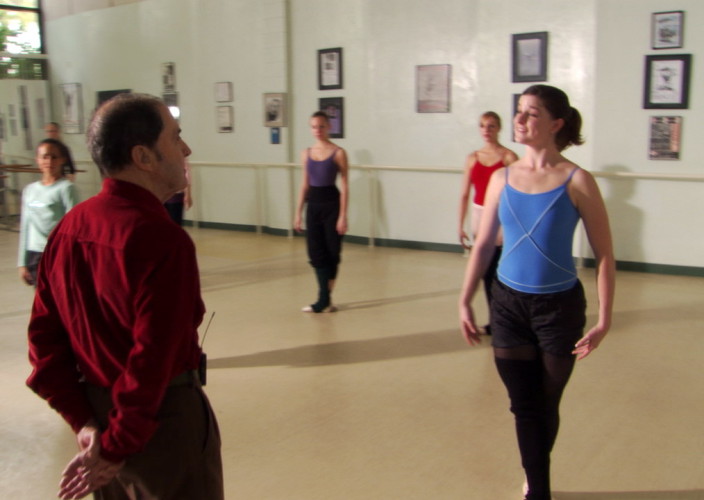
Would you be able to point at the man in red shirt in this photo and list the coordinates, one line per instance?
(113, 335)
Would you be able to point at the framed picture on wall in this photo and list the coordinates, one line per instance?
(665, 136)
(168, 77)
(72, 100)
(225, 119)
(530, 57)
(667, 30)
(275, 110)
(223, 92)
(666, 83)
(433, 88)
(334, 107)
(330, 69)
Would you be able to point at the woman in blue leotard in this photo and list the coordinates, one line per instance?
(538, 307)
(326, 213)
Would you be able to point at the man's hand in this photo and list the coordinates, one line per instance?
(87, 471)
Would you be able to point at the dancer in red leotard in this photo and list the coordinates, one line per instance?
(479, 166)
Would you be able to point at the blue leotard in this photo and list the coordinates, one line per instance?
(538, 232)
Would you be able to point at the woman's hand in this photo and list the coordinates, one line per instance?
(26, 276)
(464, 240)
(297, 224)
(341, 225)
(468, 325)
(589, 342)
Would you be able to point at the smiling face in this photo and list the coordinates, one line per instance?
(533, 124)
(50, 160)
(319, 127)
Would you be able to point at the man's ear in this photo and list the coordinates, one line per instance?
(142, 157)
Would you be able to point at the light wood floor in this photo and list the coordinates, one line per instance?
(383, 400)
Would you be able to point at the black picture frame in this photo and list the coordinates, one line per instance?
(334, 107)
(330, 69)
(666, 84)
(667, 30)
(529, 57)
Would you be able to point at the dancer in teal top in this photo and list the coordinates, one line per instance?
(538, 306)
(44, 203)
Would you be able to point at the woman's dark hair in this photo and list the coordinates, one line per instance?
(558, 105)
(494, 115)
(121, 123)
(321, 114)
(68, 165)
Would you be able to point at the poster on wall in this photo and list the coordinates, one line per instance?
(168, 77)
(225, 119)
(72, 101)
(433, 88)
(223, 92)
(665, 136)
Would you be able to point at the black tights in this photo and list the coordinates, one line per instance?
(535, 381)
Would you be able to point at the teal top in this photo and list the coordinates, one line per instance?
(42, 208)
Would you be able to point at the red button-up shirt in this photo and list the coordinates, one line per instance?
(117, 304)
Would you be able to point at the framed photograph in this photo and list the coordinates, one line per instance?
(330, 69)
(530, 57)
(667, 30)
(225, 119)
(275, 110)
(334, 107)
(433, 88)
(72, 100)
(223, 92)
(667, 81)
(665, 135)
(168, 77)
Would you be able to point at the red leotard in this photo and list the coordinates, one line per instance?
(479, 178)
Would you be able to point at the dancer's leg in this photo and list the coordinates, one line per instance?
(521, 370)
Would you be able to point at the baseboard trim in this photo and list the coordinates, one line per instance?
(639, 267)
(646, 267)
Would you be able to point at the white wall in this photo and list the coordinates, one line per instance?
(653, 221)
(596, 52)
